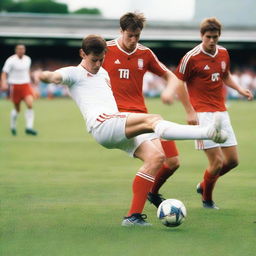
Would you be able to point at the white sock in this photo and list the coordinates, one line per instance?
(173, 131)
(14, 115)
(29, 116)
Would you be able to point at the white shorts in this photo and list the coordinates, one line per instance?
(206, 119)
(111, 134)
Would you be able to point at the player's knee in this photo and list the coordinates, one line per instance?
(153, 163)
(157, 160)
(217, 164)
(233, 163)
(173, 163)
(152, 119)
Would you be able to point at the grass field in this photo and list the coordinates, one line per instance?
(64, 195)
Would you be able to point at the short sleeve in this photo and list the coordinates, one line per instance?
(7, 66)
(228, 62)
(184, 69)
(155, 66)
(29, 61)
(68, 75)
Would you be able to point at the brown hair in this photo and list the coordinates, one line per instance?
(17, 45)
(132, 21)
(210, 24)
(94, 44)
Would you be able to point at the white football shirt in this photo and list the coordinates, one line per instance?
(91, 92)
(18, 69)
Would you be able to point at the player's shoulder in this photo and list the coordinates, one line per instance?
(27, 57)
(222, 49)
(146, 51)
(191, 55)
(103, 72)
(142, 47)
(71, 70)
(74, 68)
(111, 43)
(12, 57)
(193, 52)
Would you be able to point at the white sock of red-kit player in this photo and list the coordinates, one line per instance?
(29, 116)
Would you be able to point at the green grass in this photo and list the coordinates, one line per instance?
(62, 194)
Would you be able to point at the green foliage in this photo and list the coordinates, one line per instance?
(42, 6)
(94, 11)
(37, 6)
(62, 194)
(4, 4)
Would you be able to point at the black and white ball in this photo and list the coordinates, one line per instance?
(171, 212)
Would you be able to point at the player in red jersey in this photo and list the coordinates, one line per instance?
(16, 73)
(126, 62)
(205, 69)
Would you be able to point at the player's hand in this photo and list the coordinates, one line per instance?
(192, 118)
(167, 96)
(248, 94)
(4, 87)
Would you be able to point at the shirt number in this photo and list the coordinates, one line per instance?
(124, 73)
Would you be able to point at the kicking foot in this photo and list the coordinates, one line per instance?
(136, 219)
(155, 199)
(31, 132)
(215, 132)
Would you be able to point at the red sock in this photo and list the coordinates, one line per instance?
(208, 185)
(162, 175)
(142, 184)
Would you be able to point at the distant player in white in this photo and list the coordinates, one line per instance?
(16, 74)
(90, 87)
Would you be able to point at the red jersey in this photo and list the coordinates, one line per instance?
(126, 71)
(203, 73)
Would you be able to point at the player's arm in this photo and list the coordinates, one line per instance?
(177, 86)
(183, 96)
(161, 70)
(4, 84)
(169, 92)
(50, 77)
(230, 82)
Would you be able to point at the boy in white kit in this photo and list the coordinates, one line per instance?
(16, 73)
(89, 86)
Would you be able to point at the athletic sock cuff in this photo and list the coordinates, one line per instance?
(145, 176)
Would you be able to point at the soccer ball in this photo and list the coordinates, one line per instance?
(171, 212)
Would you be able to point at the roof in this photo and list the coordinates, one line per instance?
(77, 26)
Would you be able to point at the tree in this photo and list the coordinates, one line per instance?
(37, 6)
(94, 11)
(4, 4)
(42, 6)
